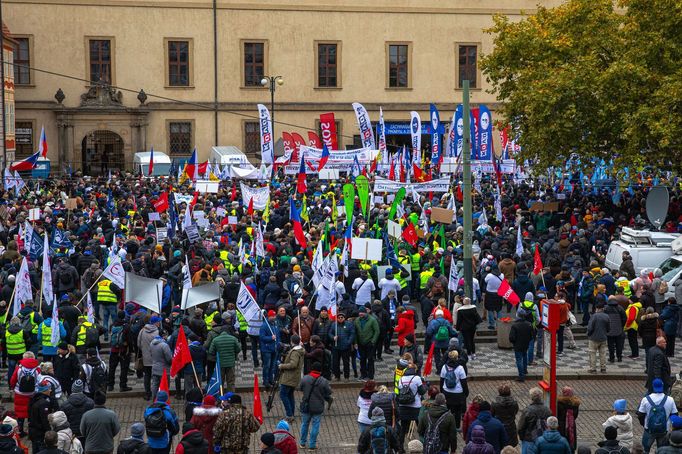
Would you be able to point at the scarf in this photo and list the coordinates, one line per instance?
(570, 426)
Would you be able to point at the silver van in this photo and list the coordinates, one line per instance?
(648, 249)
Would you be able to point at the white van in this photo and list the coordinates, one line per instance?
(648, 249)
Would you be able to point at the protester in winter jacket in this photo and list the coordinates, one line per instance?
(384, 398)
(366, 337)
(614, 336)
(284, 441)
(60, 424)
(135, 444)
(76, 405)
(495, 433)
(45, 335)
(318, 392)
(269, 339)
(567, 413)
(468, 319)
(204, 418)
(192, 441)
(381, 432)
(470, 415)
(386, 325)
(234, 426)
(99, 426)
(404, 327)
(521, 336)
(27, 367)
(144, 345)
(551, 441)
(303, 325)
(42, 404)
(93, 373)
(622, 421)
(226, 347)
(7, 443)
(291, 369)
(611, 445)
(438, 414)
(172, 427)
(66, 366)
(415, 350)
(477, 443)
(161, 361)
(633, 315)
(340, 336)
(670, 317)
(505, 409)
(531, 418)
(439, 330)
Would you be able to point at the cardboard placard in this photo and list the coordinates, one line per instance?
(154, 216)
(71, 203)
(329, 174)
(366, 249)
(442, 215)
(420, 233)
(539, 206)
(394, 229)
(161, 234)
(192, 232)
(34, 214)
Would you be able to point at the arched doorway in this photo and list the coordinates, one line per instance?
(102, 150)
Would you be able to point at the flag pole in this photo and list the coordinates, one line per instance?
(88, 291)
(40, 300)
(196, 377)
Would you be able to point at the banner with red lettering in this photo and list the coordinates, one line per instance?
(506, 292)
(328, 129)
(314, 140)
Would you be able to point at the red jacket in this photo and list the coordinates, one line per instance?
(203, 420)
(446, 313)
(285, 442)
(28, 363)
(405, 326)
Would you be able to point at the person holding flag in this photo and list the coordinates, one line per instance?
(50, 333)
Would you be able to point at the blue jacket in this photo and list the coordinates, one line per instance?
(62, 334)
(670, 316)
(345, 333)
(495, 433)
(165, 299)
(551, 442)
(267, 343)
(171, 419)
(433, 327)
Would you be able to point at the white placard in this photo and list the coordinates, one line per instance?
(203, 223)
(340, 210)
(394, 229)
(378, 200)
(329, 174)
(232, 220)
(220, 211)
(210, 187)
(390, 198)
(192, 232)
(366, 249)
(161, 234)
(154, 216)
(198, 214)
(34, 214)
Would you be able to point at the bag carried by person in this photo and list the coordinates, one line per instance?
(98, 379)
(450, 377)
(155, 422)
(405, 394)
(657, 420)
(432, 443)
(443, 333)
(378, 440)
(305, 403)
(27, 382)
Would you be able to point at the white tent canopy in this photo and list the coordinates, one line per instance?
(228, 155)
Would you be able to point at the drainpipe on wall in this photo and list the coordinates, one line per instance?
(215, 72)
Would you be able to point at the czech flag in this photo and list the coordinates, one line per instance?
(191, 168)
(324, 158)
(27, 164)
(301, 187)
(42, 146)
(151, 162)
(298, 225)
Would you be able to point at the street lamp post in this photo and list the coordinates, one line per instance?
(271, 82)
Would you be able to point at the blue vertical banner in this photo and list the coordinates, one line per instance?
(435, 136)
(457, 133)
(473, 130)
(485, 129)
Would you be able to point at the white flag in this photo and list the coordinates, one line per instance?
(55, 334)
(9, 180)
(48, 293)
(187, 221)
(498, 207)
(318, 261)
(332, 299)
(115, 272)
(187, 278)
(483, 218)
(365, 125)
(18, 183)
(260, 249)
(266, 139)
(519, 243)
(453, 206)
(344, 258)
(453, 280)
(23, 292)
(246, 304)
(89, 308)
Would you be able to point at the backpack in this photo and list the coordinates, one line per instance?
(378, 440)
(27, 382)
(155, 423)
(116, 336)
(98, 379)
(405, 394)
(91, 336)
(657, 420)
(539, 429)
(443, 333)
(432, 443)
(450, 377)
(676, 390)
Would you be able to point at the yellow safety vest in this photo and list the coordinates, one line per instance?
(625, 285)
(396, 379)
(104, 293)
(225, 259)
(46, 333)
(424, 278)
(416, 258)
(208, 319)
(80, 341)
(3, 318)
(15, 343)
(34, 325)
(243, 324)
(401, 280)
(637, 307)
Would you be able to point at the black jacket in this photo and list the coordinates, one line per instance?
(611, 446)
(193, 442)
(8, 446)
(74, 408)
(41, 406)
(659, 367)
(521, 335)
(66, 370)
(132, 446)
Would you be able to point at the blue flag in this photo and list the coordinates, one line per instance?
(35, 248)
(215, 381)
(172, 215)
(60, 240)
(390, 253)
(111, 206)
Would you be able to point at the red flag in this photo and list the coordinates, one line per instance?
(301, 186)
(202, 168)
(163, 386)
(181, 355)
(233, 196)
(391, 171)
(506, 292)
(288, 143)
(418, 175)
(257, 404)
(298, 141)
(161, 203)
(314, 140)
(410, 234)
(429, 361)
(250, 209)
(537, 262)
(194, 200)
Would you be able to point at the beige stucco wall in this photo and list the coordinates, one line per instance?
(59, 30)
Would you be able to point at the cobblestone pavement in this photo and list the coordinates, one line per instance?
(339, 429)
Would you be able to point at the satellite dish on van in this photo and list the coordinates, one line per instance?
(657, 202)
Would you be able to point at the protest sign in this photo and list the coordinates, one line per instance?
(366, 249)
(442, 215)
(154, 216)
(394, 229)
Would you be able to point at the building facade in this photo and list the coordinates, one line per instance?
(8, 52)
(108, 78)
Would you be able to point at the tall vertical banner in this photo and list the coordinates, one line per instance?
(485, 128)
(416, 132)
(363, 193)
(298, 141)
(288, 144)
(365, 125)
(435, 136)
(328, 130)
(457, 133)
(349, 199)
(381, 133)
(475, 133)
(267, 148)
(314, 140)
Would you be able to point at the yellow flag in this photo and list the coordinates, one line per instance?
(266, 213)
(213, 177)
(334, 212)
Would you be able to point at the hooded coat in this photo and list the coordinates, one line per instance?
(551, 442)
(144, 343)
(447, 427)
(505, 409)
(60, 424)
(291, 367)
(75, 407)
(495, 433)
(192, 442)
(623, 423)
(670, 316)
(161, 356)
(567, 413)
(405, 326)
(391, 437)
(617, 317)
(528, 420)
(203, 420)
(477, 443)
(284, 441)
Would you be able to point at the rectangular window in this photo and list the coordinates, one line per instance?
(467, 65)
(252, 138)
(22, 62)
(100, 60)
(24, 139)
(254, 64)
(327, 64)
(180, 137)
(398, 56)
(178, 63)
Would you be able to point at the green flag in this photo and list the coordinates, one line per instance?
(349, 199)
(363, 192)
(398, 200)
(441, 233)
